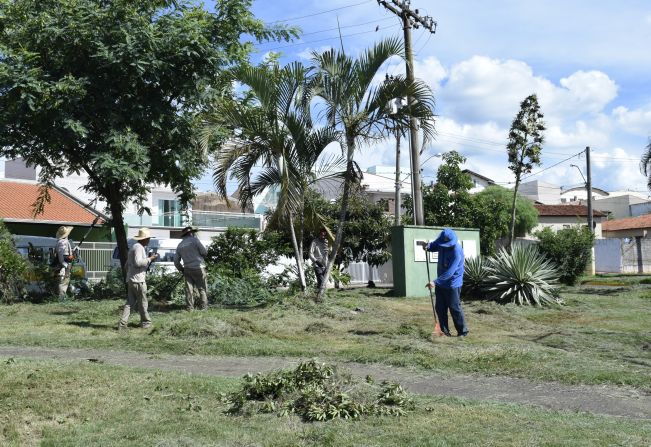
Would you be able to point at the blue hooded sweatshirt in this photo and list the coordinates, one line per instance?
(450, 264)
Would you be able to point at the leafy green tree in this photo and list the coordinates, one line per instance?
(354, 104)
(492, 215)
(570, 249)
(448, 201)
(524, 147)
(112, 89)
(272, 132)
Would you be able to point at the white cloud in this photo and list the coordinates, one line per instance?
(637, 121)
(484, 89)
(580, 135)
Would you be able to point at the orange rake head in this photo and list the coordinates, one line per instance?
(437, 331)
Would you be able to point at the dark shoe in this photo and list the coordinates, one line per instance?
(121, 327)
(462, 335)
(145, 325)
(447, 334)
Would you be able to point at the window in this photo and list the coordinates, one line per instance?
(168, 213)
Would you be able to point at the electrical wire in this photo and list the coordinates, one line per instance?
(319, 13)
(327, 38)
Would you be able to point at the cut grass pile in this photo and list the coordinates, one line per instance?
(91, 404)
(600, 336)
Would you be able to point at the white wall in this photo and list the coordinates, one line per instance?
(559, 222)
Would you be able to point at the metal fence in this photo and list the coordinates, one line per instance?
(98, 258)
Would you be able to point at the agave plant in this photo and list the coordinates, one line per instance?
(474, 275)
(523, 276)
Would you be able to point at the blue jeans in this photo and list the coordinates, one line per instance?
(450, 299)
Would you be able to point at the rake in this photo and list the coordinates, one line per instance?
(437, 327)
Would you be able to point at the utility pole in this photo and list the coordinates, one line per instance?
(412, 19)
(588, 187)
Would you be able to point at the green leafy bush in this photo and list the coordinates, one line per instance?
(250, 291)
(165, 287)
(570, 249)
(316, 392)
(523, 276)
(110, 288)
(474, 276)
(238, 251)
(13, 268)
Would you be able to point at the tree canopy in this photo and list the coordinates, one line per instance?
(113, 88)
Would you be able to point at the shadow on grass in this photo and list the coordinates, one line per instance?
(88, 324)
(601, 290)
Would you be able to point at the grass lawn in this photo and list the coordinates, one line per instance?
(601, 335)
(52, 403)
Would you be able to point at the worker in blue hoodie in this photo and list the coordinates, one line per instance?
(447, 285)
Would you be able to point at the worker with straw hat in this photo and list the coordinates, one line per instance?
(137, 263)
(64, 258)
(447, 285)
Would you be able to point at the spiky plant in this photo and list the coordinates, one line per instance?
(474, 275)
(523, 276)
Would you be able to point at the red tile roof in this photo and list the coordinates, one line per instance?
(17, 198)
(567, 210)
(628, 223)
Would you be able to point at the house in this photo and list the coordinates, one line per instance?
(164, 216)
(562, 216)
(579, 195)
(541, 192)
(627, 248)
(379, 183)
(479, 182)
(17, 198)
(623, 204)
(639, 226)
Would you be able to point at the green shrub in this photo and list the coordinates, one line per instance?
(570, 249)
(474, 275)
(110, 288)
(165, 287)
(316, 392)
(238, 251)
(13, 268)
(523, 276)
(249, 291)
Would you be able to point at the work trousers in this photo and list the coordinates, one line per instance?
(320, 273)
(137, 296)
(195, 285)
(450, 299)
(63, 281)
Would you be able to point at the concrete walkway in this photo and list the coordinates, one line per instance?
(603, 400)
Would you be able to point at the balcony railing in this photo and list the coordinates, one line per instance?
(202, 219)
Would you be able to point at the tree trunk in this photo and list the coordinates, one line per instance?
(115, 205)
(348, 180)
(298, 253)
(512, 226)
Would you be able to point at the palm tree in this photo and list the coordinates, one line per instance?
(356, 104)
(271, 133)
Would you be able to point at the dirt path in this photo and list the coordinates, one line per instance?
(603, 400)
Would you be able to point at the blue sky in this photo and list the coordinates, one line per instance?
(588, 62)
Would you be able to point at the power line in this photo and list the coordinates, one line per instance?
(327, 38)
(550, 167)
(348, 26)
(319, 13)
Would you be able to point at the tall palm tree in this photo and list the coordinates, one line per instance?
(272, 133)
(352, 101)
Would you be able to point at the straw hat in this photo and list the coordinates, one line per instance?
(189, 229)
(143, 233)
(63, 232)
